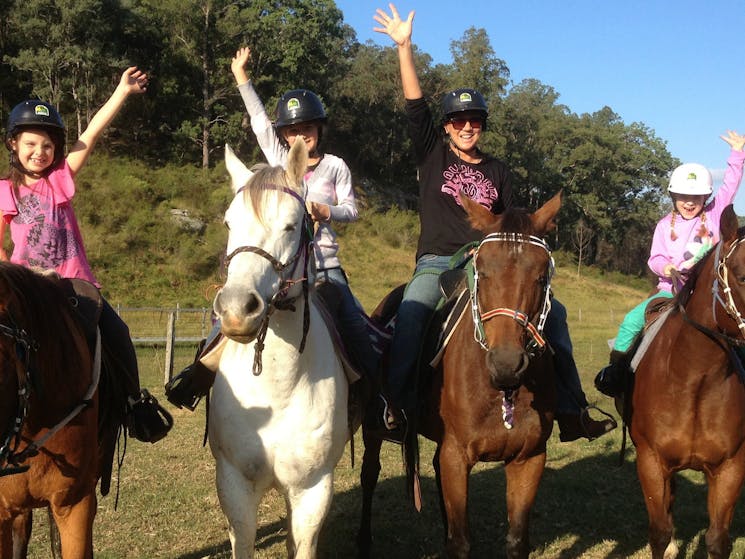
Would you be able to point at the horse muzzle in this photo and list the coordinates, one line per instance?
(506, 367)
(241, 314)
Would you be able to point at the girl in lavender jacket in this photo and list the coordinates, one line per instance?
(681, 238)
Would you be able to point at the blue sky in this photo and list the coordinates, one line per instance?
(677, 67)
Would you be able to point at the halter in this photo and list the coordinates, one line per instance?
(25, 346)
(728, 303)
(280, 299)
(536, 344)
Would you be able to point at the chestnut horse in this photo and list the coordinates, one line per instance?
(49, 450)
(492, 395)
(688, 403)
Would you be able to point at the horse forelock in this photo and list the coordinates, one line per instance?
(261, 187)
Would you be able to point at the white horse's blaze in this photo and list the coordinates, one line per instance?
(287, 427)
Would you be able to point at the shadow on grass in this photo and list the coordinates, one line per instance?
(580, 506)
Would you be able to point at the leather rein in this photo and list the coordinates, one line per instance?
(11, 458)
(280, 299)
(536, 343)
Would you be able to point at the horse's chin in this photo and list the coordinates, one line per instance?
(241, 339)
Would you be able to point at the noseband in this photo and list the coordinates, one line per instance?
(280, 299)
(536, 343)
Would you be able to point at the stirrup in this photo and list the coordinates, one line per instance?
(391, 426)
(181, 390)
(148, 421)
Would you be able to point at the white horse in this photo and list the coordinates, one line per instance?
(278, 414)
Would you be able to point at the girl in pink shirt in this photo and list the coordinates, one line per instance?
(35, 202)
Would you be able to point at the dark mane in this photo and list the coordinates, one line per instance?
(37, 303)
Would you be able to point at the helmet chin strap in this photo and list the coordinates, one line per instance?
(17, 164)
(474, 153)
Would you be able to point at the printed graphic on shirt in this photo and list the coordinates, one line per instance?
(474, 184)
(50, 238)
(697, 248)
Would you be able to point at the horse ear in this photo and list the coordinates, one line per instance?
(297, 163)
(543, 217)
(728, 225)
(239, 173)
(479, 217)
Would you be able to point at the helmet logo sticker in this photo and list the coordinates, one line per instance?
(465, 97)
(41, 110)
(692, 176)
(293, 104)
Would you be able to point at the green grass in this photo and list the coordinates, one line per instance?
(588, 507)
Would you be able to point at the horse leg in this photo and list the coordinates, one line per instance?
(308, 509)
(438, 482)
(724, 489)
(75, 525)
(522, 487)
(455, 470)
(658, 487)
(21, 534)
(369, 474)
(239, 499)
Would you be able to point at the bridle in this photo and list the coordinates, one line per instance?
(11, 458)
(725, 299)
(536, 343)
(280, 299)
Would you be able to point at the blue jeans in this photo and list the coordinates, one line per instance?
(571, 398)
(351, 324)
(420, 300)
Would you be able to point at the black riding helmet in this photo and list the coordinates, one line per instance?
(299, 105)
(33, 113)
(464, 100)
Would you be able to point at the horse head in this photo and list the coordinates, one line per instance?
(729, 282)
(268, 253)
(511, 294)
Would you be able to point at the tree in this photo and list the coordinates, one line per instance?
(69, 52)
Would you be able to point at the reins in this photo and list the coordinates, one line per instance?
(536, 344)
(722, 295)
(11, 458)
(280, 300)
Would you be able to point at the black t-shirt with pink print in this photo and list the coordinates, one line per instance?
(442, 175)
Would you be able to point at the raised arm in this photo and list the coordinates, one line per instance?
(132, 81)
(400, 31)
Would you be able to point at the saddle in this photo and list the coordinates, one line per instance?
(655, 314)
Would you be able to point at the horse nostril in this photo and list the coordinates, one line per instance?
(253, 304)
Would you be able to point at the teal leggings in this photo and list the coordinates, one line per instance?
(633, 323)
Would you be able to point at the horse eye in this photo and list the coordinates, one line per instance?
(289, 228)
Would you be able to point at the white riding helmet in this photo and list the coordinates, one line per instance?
(690, 178)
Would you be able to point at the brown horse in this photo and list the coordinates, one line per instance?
(492, 395)
(49, 450)
(688, 403)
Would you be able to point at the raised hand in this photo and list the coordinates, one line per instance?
(735, 140)
(133, 80)
(393, 26)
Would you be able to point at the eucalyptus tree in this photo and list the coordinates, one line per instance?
(67, 53)
(294, 43)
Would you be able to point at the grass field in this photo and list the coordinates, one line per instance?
(588, 506)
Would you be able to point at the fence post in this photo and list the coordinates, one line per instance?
(170, 338)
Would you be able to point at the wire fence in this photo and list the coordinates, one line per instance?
(159, 325)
